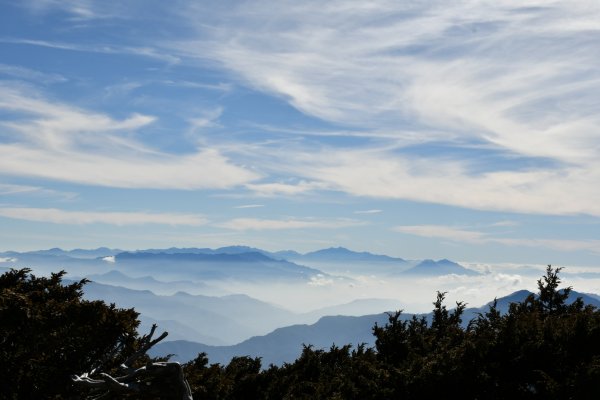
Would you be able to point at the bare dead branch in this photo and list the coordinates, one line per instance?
(165, 379)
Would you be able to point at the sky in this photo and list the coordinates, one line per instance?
(467, 131)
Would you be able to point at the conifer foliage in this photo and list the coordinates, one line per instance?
(544, 347)
(47, 333)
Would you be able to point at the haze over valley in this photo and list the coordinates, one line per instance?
(239, 300)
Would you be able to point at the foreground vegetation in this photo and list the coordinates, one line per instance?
(542, 347)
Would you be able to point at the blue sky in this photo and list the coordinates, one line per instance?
(418, 130)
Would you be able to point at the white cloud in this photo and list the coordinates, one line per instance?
(57, 216)
(84, 12)
(443, 232)
(220, 87)
(20, 72)
(475, 237)
(149, 52)
(11, 189)
(285, 189)
(320, 280)
(257, 224)
(506, 223)
(557, 244)
(518, 77)
(79, 8)
(65, 143)
(199, 123)
(380, 173)
(374, 211)
(250, 206)
(207, 119)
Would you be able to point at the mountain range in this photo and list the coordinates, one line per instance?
(232, 262)
(215, 320)
(220, 320)
(285, 344)
(247, 266)
(194, 293)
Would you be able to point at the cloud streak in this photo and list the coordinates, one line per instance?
(517, 78)
(140, 51)
(19, 72)
(250, 206)
(65, 143)
(381, 173)
(57, 216)
(15, 190)
(444, 232)
(256, 224)
(285, 189)
(461, 235)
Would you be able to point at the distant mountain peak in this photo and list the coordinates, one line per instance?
(238, 249)
(444, 266)
(336, 250)
(342, 254)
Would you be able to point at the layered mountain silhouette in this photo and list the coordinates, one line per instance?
(118, 278)
(285, 344)
(231, 262)
(339, 260)
(229, 318)
(342, 255)
(213, 320)
(247, 266)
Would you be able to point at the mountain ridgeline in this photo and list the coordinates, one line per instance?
(232, 262)
(542, 345)
(530, 346)
(284, 345)
(244, 266)
(188, 290)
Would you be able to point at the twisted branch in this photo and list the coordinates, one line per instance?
(149, 379)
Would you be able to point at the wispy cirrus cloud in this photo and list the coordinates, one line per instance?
(285, 189)
(381, 173)
(82, 11)
(141, 51)
(506, 223)
(444, 232)
(461, 235)
(445, 67)
(373, 211)
(57, 216)
(257, 224)
(11, 189)
(590, 245)
(518, 78)
(205, 119)
(250, 206)
(20, 72)
(62, 142)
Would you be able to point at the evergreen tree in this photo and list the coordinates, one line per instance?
(48, 332)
